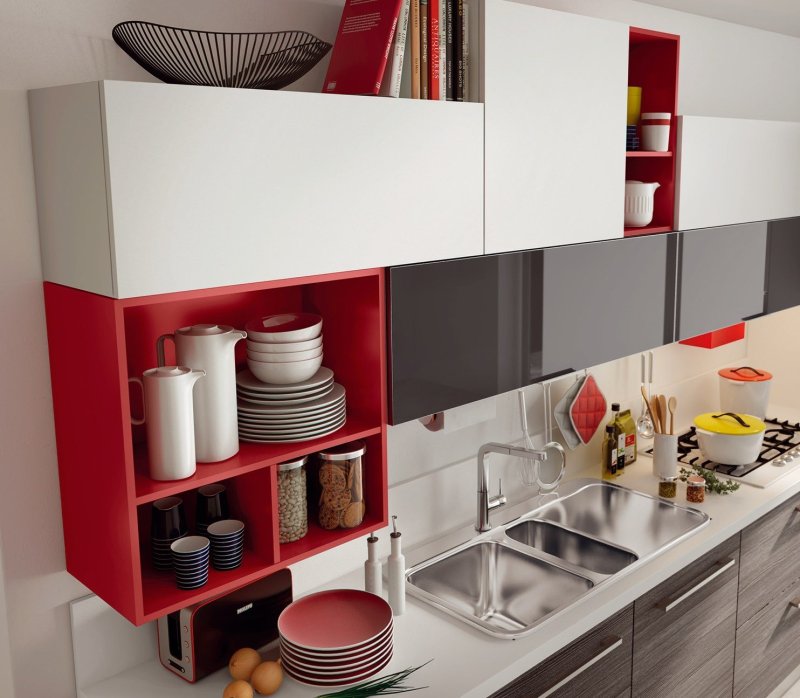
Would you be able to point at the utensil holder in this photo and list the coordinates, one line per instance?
(665, 455)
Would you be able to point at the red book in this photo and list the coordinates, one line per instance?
(362, 47)
(434, 53)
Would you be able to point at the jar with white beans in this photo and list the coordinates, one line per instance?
(292, 500)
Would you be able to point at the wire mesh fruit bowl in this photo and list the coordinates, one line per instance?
(255, 60)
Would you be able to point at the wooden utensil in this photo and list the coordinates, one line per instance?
(662, 411)
(673, 405)
(656, 415)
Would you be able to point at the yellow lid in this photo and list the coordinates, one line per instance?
(729, 423)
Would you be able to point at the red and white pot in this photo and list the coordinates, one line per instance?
(655, 131)
(744, 390)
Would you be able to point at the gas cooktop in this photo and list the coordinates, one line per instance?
(780, 454)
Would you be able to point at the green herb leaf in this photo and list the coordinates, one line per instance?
(713, 483)
(388, 685)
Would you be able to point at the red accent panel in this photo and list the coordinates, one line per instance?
(712, 340)
(97, 342)
(653, 66)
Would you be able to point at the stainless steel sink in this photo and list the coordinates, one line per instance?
(512, 578)
(498, 588)
(578, 549)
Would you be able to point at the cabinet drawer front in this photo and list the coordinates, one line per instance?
(685, 622)
(596, 664)
(770, 558)
(768, 645)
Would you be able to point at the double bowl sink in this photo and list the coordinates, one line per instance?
(509, 580)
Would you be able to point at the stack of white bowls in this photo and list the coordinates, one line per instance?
(335, 637)
(285, 348)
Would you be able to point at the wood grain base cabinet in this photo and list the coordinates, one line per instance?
(596, 664)
(685, 628)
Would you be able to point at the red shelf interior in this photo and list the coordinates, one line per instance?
(653, 66)
(103, 459)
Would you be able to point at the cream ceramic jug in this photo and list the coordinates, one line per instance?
(169, 416)
(639, 202)
(211, 349)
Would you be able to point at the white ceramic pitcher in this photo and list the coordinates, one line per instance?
(210, 348)
(169, 416)
(639, 202)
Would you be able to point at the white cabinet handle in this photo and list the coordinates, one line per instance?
(718, 569)
(614, 643)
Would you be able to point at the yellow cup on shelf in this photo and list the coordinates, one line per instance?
(634, 105)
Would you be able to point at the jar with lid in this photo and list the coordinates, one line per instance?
(696, 489)
(341, 478)
(668, 487)
(292, 500)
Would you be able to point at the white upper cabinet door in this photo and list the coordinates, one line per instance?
(147, 188)
(736, 171)
(555, 92)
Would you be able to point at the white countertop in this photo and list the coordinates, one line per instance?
(469, 663)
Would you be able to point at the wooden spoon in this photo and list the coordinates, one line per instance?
(662, 411)
(656, 415)
(673, 405)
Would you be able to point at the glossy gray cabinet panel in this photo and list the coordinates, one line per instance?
(783, 283)
(722, 273)
(605, 300)
(467, 329)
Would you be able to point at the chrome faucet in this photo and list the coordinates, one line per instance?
(485, 502)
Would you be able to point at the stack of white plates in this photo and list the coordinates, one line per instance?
(284, 413)
(335, 637)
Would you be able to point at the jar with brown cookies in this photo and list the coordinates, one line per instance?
(341, 478)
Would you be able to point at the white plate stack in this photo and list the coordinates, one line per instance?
(286, 413)
(336, 637)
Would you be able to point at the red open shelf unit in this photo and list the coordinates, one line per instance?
(96, 343)
(653, 66)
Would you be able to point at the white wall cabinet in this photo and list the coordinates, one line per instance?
(736, 171)
(147, 188)
(555, 99)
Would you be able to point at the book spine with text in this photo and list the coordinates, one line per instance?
(465, 49)
(394, 77)
(415, 50)
(449, 62)
(458, 51)
(433, 52)
(442, 49)
(424, 68)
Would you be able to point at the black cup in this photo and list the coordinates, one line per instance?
(212, 505)
(168, 519)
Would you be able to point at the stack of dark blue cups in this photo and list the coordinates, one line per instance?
(227, 544)
(632, 138)
(190, 560)
(168, 525)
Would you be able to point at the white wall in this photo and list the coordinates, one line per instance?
(726, 70)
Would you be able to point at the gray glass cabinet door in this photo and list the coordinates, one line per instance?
(783, 253)
(605, 300)
(466, 329)
(722, 276)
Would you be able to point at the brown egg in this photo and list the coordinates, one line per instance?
(238, 689)
(243, 662)
(267, 678)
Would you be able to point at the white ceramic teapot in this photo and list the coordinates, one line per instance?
(211, 349)
(639, 202)
(169, 415)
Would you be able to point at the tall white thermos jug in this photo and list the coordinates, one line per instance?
(169, 416)
(210, 348)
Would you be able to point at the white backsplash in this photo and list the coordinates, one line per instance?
(432, 475)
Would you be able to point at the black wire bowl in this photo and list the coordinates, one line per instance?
(256, 60)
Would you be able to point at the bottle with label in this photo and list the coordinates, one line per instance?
(619, 435)
(628, 425)
(610, 453)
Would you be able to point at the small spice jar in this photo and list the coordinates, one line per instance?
(696, 489)
(341, 477)
(292, 500)
(668, 487)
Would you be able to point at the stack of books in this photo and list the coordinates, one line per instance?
(414, 48)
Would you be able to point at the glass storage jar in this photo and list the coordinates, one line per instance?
(341, 478)
(696, 489)
(668, 487)
(292, 500)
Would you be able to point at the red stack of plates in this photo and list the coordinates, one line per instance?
(335, 637)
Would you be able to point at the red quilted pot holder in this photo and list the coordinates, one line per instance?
(588, 409)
